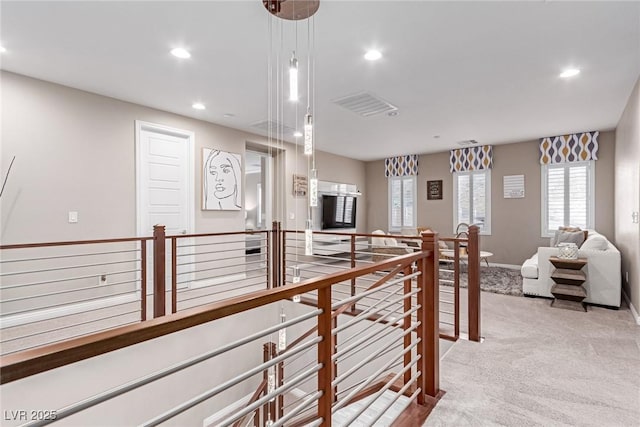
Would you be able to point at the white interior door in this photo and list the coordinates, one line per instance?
(165, 182)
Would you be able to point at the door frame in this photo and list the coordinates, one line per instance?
(140, 126)
(267, 187)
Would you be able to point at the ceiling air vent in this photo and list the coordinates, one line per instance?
(274, 126)
(365, 104)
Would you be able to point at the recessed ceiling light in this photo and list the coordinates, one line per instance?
(198, 106)
(570, 72)
(436, 136)
(228, 115)
(180, 52)
(372, 55)
(297, 134)
(3, 49)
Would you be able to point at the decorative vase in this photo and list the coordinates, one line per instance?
(568, 250)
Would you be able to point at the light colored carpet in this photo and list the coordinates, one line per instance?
(543, 366)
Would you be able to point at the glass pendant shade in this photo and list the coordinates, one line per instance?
(271, 379)
(296, 274)
(308, 134)
(293, 78)
(313, 189)
(308, 239)
(282, 333)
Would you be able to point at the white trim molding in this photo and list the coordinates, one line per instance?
(66, 310)
(634, 312)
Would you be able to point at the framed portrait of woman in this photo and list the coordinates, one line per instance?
(221, 180)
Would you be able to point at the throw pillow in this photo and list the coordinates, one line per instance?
(576, 237)
(554, 241)
(596, 243)
(586, 232)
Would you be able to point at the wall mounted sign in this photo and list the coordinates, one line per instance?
(300, 184)
(513, 186)
(434, 190)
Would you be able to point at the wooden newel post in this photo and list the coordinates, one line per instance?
(430, 300)
(325, 353)
(473, 253)
(159, 255)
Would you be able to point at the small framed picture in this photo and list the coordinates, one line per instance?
(299, 185)
(434, 190)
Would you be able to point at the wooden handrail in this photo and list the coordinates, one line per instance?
(395, 236)
(74, 242)
(30, 362)
(226, 233)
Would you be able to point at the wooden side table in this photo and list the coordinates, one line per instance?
(568, 276)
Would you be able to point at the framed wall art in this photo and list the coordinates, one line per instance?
(300, 185)
(434, 190)
(221, 180)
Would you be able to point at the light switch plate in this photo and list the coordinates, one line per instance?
(73, 217)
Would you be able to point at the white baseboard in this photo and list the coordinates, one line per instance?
(509, 266)
(66, 310)
(634, 312)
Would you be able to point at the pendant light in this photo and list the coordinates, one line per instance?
(293, 78)
(308, 134)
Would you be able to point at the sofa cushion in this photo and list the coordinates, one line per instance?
(529, 268)
(390, 241)
(563, 236)
(596, 243)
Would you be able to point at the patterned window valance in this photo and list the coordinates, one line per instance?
(577, 147)
(471, 159)
(401, 165)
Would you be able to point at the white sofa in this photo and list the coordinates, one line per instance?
(603, 284)
(384, 247)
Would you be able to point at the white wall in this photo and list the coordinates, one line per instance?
(627, 195)
(76, 151)
(59, 387)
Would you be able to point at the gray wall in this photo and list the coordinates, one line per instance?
(515, 223)
(76, 151)
(89, 377)
(627, 194)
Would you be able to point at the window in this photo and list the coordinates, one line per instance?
(472, 199)
(402, 206)
(567, 196)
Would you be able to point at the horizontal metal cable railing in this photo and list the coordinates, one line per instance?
(337, 251)
(214, 266)
(54, 291)
(302, 382)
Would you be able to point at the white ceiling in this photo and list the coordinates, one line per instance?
(461, 70)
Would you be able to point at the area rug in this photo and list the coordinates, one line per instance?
(498, 280)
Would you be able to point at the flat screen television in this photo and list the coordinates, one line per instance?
(338, 211)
